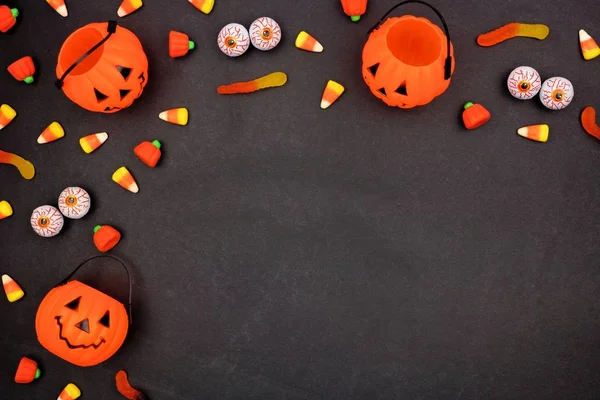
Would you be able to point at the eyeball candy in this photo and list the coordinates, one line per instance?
(233, 40)
(524, 83)
(557, 93)
(46, 221)
(74, 202)
(265, 33)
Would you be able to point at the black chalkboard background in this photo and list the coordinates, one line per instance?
(284, 252)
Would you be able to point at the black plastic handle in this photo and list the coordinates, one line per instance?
(448, 61)
(68, 278)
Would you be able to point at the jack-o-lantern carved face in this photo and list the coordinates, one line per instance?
(111, 77)
(81, 324)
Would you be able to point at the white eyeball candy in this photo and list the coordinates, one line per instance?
(233, 40)
(74, 202)
(47, 221)
(557, 93)
(524, 83)
(265, 33)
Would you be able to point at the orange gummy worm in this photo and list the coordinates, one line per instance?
(126, 389)
(272, 80)
(514, 29)
(588, 120)
(25, 168)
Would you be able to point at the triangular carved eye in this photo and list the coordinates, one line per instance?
(124, 93)
(402, 89)
(382, 91)
(73, 305)
(84, 325)
(374, 68)
(124, 71)
(100, 96)
(105, 320)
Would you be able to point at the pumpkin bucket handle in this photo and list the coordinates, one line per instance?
(111, 28)
(68, 278)
(448, 62)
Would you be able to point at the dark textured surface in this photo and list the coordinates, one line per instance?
(285, 252)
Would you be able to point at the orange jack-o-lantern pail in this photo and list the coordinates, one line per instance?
(102, 67)
(408, 61)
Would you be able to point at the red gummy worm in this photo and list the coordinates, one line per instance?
(126, 389)
(588, 120)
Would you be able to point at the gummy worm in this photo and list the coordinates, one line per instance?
(272, 80)
(512, 30)
(25, 167)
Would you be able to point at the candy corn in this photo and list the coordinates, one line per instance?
(539, 133)
(59, 6)
(205, 6)
(91, 142)
(589, 47)
(177, 116)
(306, 42)
(53, 132)
(70, 392)
(7, 114)
(12, 289)
(5, 209)
(123, 177)
(332, 92)
(129, 6)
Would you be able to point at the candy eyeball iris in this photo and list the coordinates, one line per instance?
(557, 93)
(524, 83)
(233, 40)
(74, 202)
(47, 221)
(265, 33)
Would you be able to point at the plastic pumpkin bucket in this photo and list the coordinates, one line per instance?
(102, 67)
(408, 61)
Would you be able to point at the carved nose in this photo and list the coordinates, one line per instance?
(84, 325)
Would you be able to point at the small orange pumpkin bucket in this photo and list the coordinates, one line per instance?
(408, 61)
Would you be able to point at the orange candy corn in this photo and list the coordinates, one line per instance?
(5, 209)
(59, 6)
(588, 120)
(589, 47)
(7, 114)
(177, 116)
(91, 142)
(129, 6)
(539, 133)
(12, 289)
(306, 42)
(332, 92)
(70, 392)
(205, 6)
(123, 177)
(53, 132)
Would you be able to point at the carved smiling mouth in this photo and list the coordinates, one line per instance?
(72, 346)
